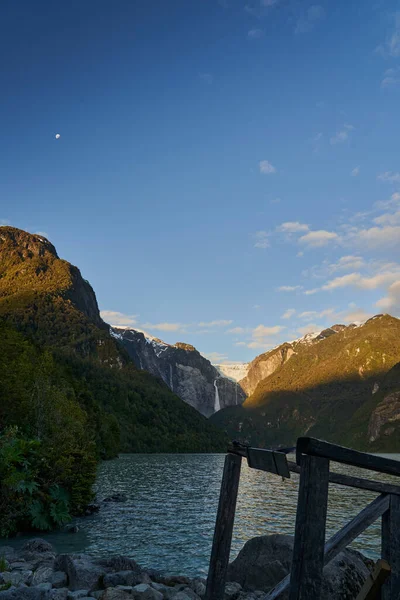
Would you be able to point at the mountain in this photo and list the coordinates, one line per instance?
(46, 299)
(341, 384)
(183, 369)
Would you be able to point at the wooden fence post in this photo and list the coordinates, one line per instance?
(309, 541)
(391, 548)
(223, 528)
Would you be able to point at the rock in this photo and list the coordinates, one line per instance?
(173, 580)
(37, 546)
(45, 585)
(41, 575)
(130, 578)
(71, 529)
(232, 590)
(118, 497)
(21, 565)
(91, 509)
(59, 594)
(115, 594)
(7, 552)
(81, 571)
(186, 594)
(264, 561)
(144, 591)
(77, 594)
(25, 593)
(114, 564)
(59, 579)
(17, 578)
(198, 585)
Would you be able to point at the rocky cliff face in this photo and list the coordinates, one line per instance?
(186, 372)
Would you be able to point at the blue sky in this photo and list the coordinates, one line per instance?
(228, 172)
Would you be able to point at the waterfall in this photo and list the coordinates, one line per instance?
(217, 405)
(171, 383)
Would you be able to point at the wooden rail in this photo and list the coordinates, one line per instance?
(311, 553)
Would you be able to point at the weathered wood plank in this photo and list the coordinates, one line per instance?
(373, 584)
(342, 538)
(308, 551)
(314, 447)
(268, 460)
(357, 482)
(223, 528)
(391, 548)
(351, 530)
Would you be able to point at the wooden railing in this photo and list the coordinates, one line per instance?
(311, 553)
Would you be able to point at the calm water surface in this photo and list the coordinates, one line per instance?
(168, 520)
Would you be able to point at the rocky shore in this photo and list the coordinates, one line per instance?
(36, 572)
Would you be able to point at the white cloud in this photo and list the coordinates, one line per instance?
(309, 19)
(355, 172)
(362, 282)
(266, 168)
(42, 233)
(388, 218)
(216, 323)
(389, 177)
(391, 302)
(261, 331)
(237, 330)
(391, 78)
(261, 238)
(289, 288)
(268, 2)
(318, 238)
(309, 315)
(348, 262)
(215, 357)
(342, 135)
(391, 47)
(240, 344)
(4, 222)
(311, 292)
(119, 319)
(289, 313)
(206, 78)
(255, 34)
(259, 345)
(292, 227)
(377, 237)
(164, 326)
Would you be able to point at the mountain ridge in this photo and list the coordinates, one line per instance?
(323, 385)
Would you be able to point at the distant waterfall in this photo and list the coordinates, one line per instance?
(171, 383)
(217, 405)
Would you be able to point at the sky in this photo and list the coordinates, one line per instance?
(227, 172)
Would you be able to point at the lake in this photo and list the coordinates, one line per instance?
(167, 522)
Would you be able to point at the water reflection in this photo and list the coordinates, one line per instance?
(168, 519)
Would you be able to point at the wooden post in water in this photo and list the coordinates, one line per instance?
(223, 528)
(309, 540)
(391, 548)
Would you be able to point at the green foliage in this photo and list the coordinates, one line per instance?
(3, 564)
(5, 586)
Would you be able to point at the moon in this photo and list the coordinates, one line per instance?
(58, 136)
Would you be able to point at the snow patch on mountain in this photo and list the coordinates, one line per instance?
(233, 371)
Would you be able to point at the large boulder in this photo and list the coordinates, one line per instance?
(38, 552)
(82, 573)
(264, 561)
